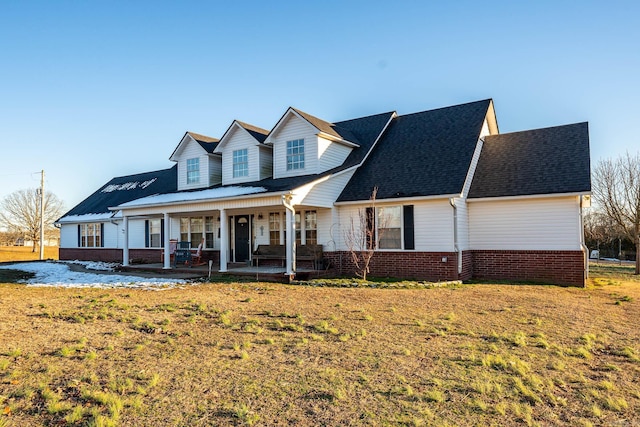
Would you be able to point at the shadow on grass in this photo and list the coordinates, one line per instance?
(14, 276)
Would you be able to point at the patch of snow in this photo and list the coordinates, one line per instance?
(132, 185)
(57, 274)
(92, 217)
(185, 196)
(95, 265)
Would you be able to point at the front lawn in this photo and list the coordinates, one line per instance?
(265, 354)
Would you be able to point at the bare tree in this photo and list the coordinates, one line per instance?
(363, 236)
(616, 190)
(20, 211)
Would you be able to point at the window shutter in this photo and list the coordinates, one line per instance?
(409, 241)
(146, 233)
(162, 233)
(101, 235)
(79, 235)
(371, 232)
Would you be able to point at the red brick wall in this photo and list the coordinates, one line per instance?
(558, 267)
(142, 256)
(406, 265)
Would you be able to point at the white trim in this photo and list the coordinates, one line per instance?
(528, 196)
(93, 217)
(400, 199)
(336, 139)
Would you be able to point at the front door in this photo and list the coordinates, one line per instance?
(242, 238)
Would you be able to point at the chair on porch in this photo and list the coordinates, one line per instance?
(197, 258)
(183, 254)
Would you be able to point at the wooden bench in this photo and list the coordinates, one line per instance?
(313, 253)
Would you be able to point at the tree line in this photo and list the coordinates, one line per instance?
(20, 217)
(616, 210)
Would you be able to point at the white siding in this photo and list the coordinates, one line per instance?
(136, 233)
(215, 170)
(113, 236)
(192, 150)
(525, 224)
(433, 224)
(239, 139)
(265, 155)
(331, 154)
(295, 128)
(69, 236)
(463, 223)
(326, 192)
(328, 229)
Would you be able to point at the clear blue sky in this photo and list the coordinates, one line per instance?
(92, 90)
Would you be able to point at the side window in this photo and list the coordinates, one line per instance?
(240, 163)
(295, 154)
(193, 171)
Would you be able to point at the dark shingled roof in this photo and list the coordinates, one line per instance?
(126, 188)
(329, 128)
(540, 161)
(258, 133)
(421, 154)
(206, 142)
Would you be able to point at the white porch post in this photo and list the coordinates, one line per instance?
(166, 244)
(224, 240)
(125, 244)
(291, 241)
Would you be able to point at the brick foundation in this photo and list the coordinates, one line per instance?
(406, 265)
(557, 267)
(136, 256)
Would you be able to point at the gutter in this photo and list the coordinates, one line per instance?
(452, 202)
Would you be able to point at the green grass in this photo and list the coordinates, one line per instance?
(246, 353)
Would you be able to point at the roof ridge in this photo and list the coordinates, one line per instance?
(254, 128)
(444, 108)
(201, 137)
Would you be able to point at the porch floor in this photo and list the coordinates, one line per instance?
(266, 273)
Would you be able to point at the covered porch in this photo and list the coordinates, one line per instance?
(270, 273)
(230, 230)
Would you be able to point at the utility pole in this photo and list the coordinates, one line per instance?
(42, 216)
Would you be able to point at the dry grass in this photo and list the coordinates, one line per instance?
(25, 253)
(265, 354)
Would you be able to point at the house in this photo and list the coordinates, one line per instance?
(459, 200)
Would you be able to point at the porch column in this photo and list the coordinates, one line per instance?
(166, 244)
(291, 240)
(224, 240)
(125, 244)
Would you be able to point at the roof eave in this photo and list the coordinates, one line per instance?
(400, 199)
(529, 196)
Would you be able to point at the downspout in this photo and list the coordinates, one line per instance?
(290, 244)
(455, 235)
(585, 250)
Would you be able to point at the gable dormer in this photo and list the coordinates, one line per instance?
(245, 157)
(305, 145)
(198, 165)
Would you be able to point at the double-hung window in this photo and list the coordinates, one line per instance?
(155, 233)
(389, 227)
(274, 228)
(240, 163)
(90, 235)
(311, 227)
(295, 154)
(193, 171)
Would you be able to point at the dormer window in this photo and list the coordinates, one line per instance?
(193, 171)
(240, 163)
(295, 154)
